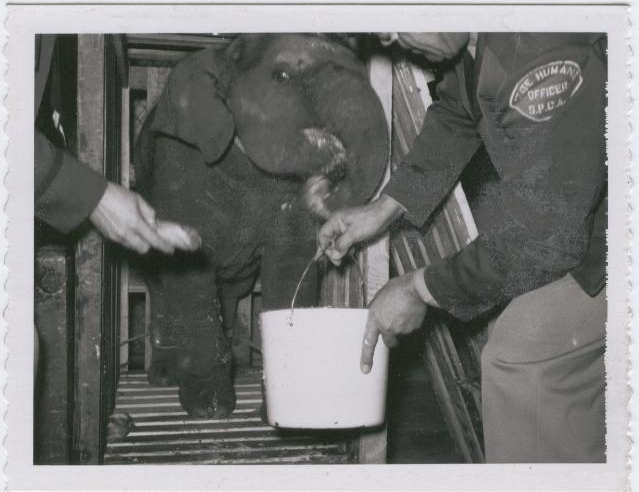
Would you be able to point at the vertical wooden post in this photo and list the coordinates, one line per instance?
(97, 297)
(148, 350)
(372, 444)
(53, 288)
(125, 176)
(89, 257)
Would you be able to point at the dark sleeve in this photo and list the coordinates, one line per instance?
(552, 174)
(445, 145)
(44, 46)
(66, 190)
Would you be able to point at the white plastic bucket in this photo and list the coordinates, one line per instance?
(312, 377)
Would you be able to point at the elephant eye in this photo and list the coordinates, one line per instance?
(280, 75)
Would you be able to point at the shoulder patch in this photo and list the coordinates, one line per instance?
(546, 89)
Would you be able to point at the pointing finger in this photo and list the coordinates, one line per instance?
(368, 346)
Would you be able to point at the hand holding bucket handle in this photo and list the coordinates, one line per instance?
(397, 309)
(351, 226)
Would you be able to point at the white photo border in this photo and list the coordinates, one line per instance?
(25, 20)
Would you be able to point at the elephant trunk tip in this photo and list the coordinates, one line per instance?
(329, 145)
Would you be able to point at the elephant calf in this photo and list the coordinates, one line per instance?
(228, 149)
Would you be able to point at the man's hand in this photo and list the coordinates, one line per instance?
(126, 218)
(436, 47)
(397, 309)
(347, 227)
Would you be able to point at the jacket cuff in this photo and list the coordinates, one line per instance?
(448, 292)
(409, 187)
(72, 195)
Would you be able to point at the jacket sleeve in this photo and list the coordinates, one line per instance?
(553, 174)
(441, 151)
(66, 190)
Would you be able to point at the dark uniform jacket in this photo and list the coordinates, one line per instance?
(536, 102)
(66, 190)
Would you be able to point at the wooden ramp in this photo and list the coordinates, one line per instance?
(162, 433)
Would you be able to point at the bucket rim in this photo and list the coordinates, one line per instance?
(306, 309)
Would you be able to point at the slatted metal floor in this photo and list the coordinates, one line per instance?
(162, 433)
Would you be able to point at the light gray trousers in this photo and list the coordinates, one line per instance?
(543, 378)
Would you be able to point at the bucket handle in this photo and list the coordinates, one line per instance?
(316, 257)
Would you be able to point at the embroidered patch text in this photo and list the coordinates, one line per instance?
(543, 91)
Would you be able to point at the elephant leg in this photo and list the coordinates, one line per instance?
(182, 190)
(203, 354)
(163, 371)
(230, 295)
(287, 252)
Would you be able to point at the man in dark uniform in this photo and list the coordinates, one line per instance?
(536, 103)
(67, 191)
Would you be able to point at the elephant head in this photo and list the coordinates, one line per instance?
(298, 105)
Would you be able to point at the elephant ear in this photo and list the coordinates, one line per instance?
(191, 107)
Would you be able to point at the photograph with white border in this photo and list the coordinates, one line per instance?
(317, 236)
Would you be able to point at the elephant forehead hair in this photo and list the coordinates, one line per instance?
(251, 49)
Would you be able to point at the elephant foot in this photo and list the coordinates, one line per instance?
(163, 368)
(211, 397)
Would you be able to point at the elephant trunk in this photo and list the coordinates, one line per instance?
(351, 113)
(333, 166)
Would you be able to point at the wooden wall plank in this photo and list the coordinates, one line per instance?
(111, 276)
(175, 41)
(118, 42)
(446, 381)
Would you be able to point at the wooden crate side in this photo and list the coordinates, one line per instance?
(452, 402)
(462, 385)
